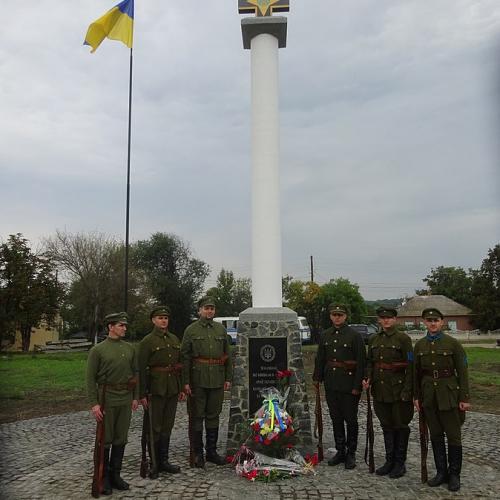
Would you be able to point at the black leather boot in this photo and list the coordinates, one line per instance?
(339, 457)
(211, 447)
(106, 485)
(439, 450)
(352, 445)
(400, 451)
(163, 464)
(199, 460)
(389, 453)
(116, 467)
(455, 466)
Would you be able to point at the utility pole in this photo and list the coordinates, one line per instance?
(312, 269)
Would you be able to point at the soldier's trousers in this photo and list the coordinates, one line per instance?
(392, 416)
(116, 425)
(447, 422)
(207, 405)
(163, 416)
(343, 408)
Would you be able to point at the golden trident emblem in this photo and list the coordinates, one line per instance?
(263, 8)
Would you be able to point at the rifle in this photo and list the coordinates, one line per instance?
(144, 445)
(370, 435)
(98, 477)
(189, 406)
(424, 444)
(153, 469)
(318, 425)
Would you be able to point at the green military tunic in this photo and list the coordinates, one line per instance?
(390, 370)
(113, 364)
(207, 364)
(160, 375)
(336, 346)
(441, 383)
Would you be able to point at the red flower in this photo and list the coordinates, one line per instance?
(251, 475)
(229, 459)
(280, 374)
(289, 446)
(312, 459)
(267, 441)
(256, 426)
(287, 373)
(256, 439)
(289, 431)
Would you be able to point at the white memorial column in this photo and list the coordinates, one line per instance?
(264, 36)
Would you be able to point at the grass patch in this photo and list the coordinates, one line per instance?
(21, 375)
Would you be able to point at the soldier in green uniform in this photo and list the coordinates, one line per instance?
(160, 372)
(389, 374)
(340, 365)
(207, 371)
(112, 368)
(442, 391)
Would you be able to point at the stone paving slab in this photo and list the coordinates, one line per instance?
(51, 458)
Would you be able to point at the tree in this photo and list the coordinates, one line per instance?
(453, 282)
(343, 291)
(29, 290)
(486, 292)
(171, 274)
(93, 265)
(231, 295)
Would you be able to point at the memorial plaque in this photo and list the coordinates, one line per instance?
(267, 355)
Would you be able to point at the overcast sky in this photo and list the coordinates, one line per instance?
(389, 132)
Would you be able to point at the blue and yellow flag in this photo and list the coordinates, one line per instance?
(116, 24)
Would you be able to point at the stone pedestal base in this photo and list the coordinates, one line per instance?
(265, 322)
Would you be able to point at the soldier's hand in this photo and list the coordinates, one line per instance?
(416, 404)
(227, 385)
(355, 392)
(187, 389)
(96, 410)
(135, 404)
(464, 406)
(366, 384)
(182, 396)
(144, 403)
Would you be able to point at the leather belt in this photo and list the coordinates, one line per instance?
(167, 369)
(347, 365)
(397, 366)
(211, 361)
(129, 385)
(442, 373)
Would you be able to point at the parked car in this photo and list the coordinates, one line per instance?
(364, 330)
(230, 323)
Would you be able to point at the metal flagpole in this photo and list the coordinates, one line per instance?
(127, 217)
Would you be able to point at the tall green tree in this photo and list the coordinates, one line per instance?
(486, 292)
(453, 282)
(29, 290)
(231, 295)
(171, 273)
(341, 290)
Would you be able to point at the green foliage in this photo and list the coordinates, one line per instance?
(485, 292)
(171, 274)
(29, 290)
(453, 282)
(231, 295)
(343, 291)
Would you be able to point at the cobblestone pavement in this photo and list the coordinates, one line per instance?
(51, 458)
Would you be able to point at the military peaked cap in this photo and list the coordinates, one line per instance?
(386, 312)
(160, 311)
(432, 312)
(120, 317)
(337, 308)
(206, 301)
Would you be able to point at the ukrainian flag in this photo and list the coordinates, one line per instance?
(116, 24)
